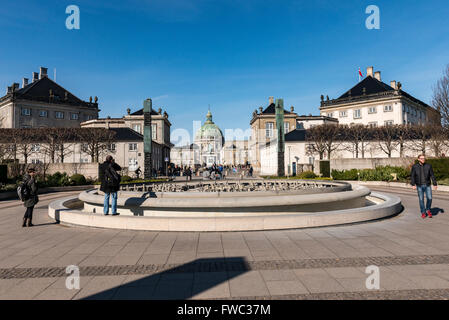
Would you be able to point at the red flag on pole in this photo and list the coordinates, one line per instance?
(360, 73)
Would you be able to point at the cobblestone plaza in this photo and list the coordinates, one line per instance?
(317, 263)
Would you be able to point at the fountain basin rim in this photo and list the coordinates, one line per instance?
(92, 196)
(391, 205)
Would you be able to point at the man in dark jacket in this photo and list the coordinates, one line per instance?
(110, 183)
(421, 176)
(29, 181)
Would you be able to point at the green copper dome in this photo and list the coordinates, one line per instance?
(209, 130)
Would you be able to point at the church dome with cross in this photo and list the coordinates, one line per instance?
(209, 130)
(210, 141)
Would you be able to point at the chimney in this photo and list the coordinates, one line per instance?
(369, 71)
(15, 86)
(270, 100)
(9, 90)
(377, 75)
(42, 72)
(292, 109)
(24, 82)
(393, 84)
(35, 76)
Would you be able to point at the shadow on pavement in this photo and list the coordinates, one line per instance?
(436, 211)
(178, 283)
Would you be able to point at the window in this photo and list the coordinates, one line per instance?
(132, 147)
(372, 124)
(269, 129)
(111, 147)
(330, 115)
(89, 117)
(43, 113)
(389, 122)
(74, 116)
(35, 161)
(137, 128)
(153, 131)
(59, 115)
(343, 114)
(35, 148)
(286, 127)
(26, 112)
(388, 108)
(357, 114)
(132, 164)
(372, 110)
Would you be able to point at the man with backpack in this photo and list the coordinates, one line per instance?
(110, 183)
(28, 194)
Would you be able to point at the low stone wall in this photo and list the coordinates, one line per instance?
(372, 163)
(11, 195)
(89, 170)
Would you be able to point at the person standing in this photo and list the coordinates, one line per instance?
(110, 184)
(421, 177)
(189, 174)
(29, 182)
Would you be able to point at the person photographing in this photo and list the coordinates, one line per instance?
(110, 184)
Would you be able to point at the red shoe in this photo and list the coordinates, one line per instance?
(423, 215)
(429, 213)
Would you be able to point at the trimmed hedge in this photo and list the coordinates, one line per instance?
(307, 175)
(381, 173)
(78, 179)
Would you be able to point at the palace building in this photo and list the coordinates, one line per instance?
(375, 103)
(44, 103)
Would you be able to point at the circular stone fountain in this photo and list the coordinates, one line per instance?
(228, 206)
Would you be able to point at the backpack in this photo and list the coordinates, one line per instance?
(23, 191)
(112, 177)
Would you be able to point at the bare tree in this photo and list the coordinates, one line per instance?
(420, 136)
(358, 137)
(326, 138)
(440, 99)
(4, 144)
(27, 143)
(438, 140)
(95, 141)
(403, 134)
(316, 140)
(67, 138)
(386, 138)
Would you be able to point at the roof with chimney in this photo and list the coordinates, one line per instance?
(370, 88)
(271, 109)
(46, 90)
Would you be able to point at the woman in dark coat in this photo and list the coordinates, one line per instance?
(30, 182)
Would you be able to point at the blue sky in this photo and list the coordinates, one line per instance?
(229, 54)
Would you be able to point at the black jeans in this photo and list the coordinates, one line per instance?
(29, 213)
